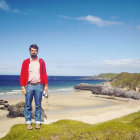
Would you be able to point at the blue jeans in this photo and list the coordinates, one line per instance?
(36, 92)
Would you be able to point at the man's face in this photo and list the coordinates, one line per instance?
(33, 53)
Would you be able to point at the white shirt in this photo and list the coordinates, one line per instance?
(34, 71)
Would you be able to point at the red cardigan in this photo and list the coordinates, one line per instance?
(25, 74)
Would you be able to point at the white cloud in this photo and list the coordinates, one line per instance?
(90, 67)
(123, 62)
(4, 6)
(98, 21)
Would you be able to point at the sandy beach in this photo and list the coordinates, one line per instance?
(80, 105)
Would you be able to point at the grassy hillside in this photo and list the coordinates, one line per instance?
(102, 76)
(107, 75)
(125, 128)
(127, 80)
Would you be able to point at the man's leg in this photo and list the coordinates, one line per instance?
(38, 98)
(28, 104)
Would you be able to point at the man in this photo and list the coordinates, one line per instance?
(33, 82)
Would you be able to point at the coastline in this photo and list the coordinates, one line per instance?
(80, 105)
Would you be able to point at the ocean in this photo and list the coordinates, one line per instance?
(10, 84)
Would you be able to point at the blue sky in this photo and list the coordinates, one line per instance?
(75, 37)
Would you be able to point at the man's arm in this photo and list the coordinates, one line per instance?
(45, 77)
(46, 87)
(22, 74)
(23, 90)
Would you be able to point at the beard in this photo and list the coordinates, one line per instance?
(33, 55)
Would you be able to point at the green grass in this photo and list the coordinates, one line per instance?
(106, 75)
(127, 80)
(125, 128)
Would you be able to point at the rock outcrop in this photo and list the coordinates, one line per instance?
(17, 110)
(106, 89)
(4, 105)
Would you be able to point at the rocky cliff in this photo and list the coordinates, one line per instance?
(107, 89)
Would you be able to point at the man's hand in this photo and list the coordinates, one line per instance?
(23, 90)
(46, 88)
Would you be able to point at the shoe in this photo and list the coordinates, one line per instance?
(37, 126)
(29, 126)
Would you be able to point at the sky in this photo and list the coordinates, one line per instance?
(75, 37)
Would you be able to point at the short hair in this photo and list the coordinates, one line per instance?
(33, 46)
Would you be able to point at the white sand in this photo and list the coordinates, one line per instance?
(81, 105)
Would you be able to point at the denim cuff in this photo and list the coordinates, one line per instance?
(28, 122)
(37, 122)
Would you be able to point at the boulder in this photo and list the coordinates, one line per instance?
(17, 110)
(2, 102)
(4, 105)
